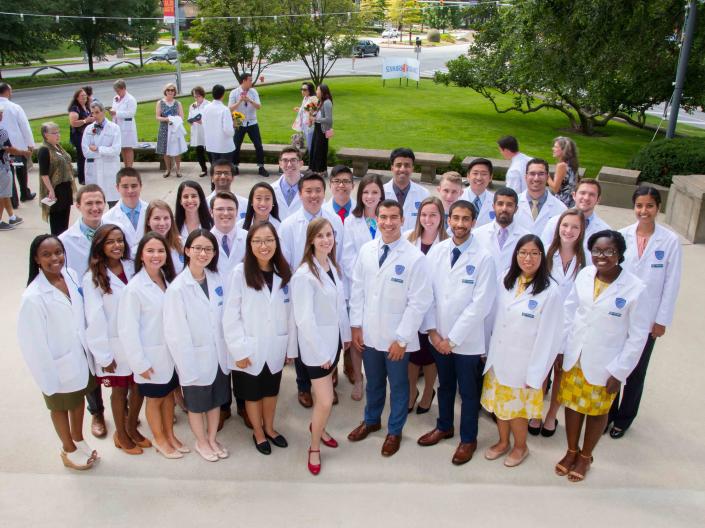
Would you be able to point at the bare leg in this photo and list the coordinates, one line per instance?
(255, 411)
(118, 404)
(156, 424)
(553, 408)
(503, 442)
(177, 160)
(6, 203)
(128, 156)
(519, 429)
(429, 376)
(322, 405)
(133, 413)
(269, 408)
(594, 427)
(60, 419)
(212, 419)
(573, 428)
(356, 359)
(168, 420)
(413, 380)
(198, 427)
(167, 164)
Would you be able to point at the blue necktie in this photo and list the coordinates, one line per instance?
(385, 252)
(477, 203)
(134, 217)
(226, 247)
(454, 257)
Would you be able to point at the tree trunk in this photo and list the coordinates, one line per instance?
(141, 61)
(89, 55)
(586, 124)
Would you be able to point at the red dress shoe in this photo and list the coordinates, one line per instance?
(391, 445)
(362, 430)
(315, 469)
(435, 436)
(331, 442)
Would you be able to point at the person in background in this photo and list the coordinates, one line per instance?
(160, 219)
(168, 106)
(50, 331)
(191, 209)
(222, 176)
(509, 149)
(286, 188)
(301, 123)
(79, 117)
(245, 99)
(56, 176)
(129, 211)
(101, 146)
(450, 189)
(262, 207)
(479, 176)
(322, 122)
(6, 177)
(123, 113)
(564, 181)
(536, 205)
(218, 129)
(409, 194)
(195, 117)
(17, 125)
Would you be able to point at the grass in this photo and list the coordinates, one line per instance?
(432, 118)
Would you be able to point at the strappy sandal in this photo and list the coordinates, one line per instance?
(166, 174)
(574, 476)
(565, 465)
(87, 450)
(76, 460)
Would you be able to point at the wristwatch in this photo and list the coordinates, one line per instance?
(452, 345)
(401, 343)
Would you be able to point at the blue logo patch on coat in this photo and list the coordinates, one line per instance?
(399, 269)
(620, 303)
(659, 255)
(492, 215)
(533, 304)
(80, 291)
(181, 258)
(470, 269)
(219, 291)
(285, 289)
(417, 204)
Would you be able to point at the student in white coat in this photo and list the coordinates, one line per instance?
(536, 205)
(654, 255)
(231, 239)
(141, 332)
(160, 219)
(123, 112)
(191, 211)
(101, 145)
(222, 177)
(262, 207)
(360, 228)
(430, 230)
(463, 282)
(218, 130)
(195, 119)
(341, 185)
(90, 202)
(50, 332)
(450, 189)
(323, 327)
(525, 341)
(109, 270)
(391, 293)
(130, 212)
(286, 187)
(400, 188)
(509, 149)
(607, 322)
(260, 331)
(479, 175)
(193, 329)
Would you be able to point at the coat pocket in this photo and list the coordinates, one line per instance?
(68, 367)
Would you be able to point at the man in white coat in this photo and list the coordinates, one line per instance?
(536, 205)
(391, 293)
(341, 185)
(218, 129)
(286, 188)
(101, 145)
(222, 176)
(130, 212)
(123, 113)
(231, 239)
(479, 175)
(409, 194)
(464, 286)
(17, 125)
(509, 149)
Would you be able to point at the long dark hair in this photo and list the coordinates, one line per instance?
(167, 268)
(34, 249)
(74, 99)
(368, 179)
(309, 87)
(314, 227)
(325, 93)
(542, 277)
(556, 243)
(193, 235)
(98, 262)
(253, 274)
(250, 214)
(204, 215)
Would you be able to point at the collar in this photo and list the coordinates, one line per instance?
(285, 186)
(337, 208)
(481, 196)
(398, 190)
(127, 210)
(542, 200)
(462, 247)
(392, 245)
(308, 216)
(219, 234)
(86, 229)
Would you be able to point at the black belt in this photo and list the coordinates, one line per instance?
(128, 119)
(90, 160)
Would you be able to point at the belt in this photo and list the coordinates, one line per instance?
(127, 119)
(90, 160)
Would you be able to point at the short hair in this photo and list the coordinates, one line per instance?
(98, 105)
(451, 177)
(223, 162)
(506, 191)
(311, 176)
(590, 181)
(169, 86)
(46, 127)
(120, 84)
(245, 76)
(127, 172)
(338, 169)
(509, 143)
(4, 87)
(225, 195)
(198, 90)
(218, 91)
(615, 236)
(290, 149)
(401, 152)
(537, 161)
(89, 188)
(390, 203)
(88, 89)
(647, 190)
(480, 161)
(465, 205)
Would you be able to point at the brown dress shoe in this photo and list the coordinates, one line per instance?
(98, 428)
(435, 436)
(391, 445)
(305, 399)
(347, 367)
(242, 413)
(464, 453)
(362, 430)
(335, 397)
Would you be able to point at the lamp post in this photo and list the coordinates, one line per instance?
(682, 69)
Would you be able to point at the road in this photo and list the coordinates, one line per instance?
(50, 101)
(696, 119)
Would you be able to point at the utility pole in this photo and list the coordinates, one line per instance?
(176, 35)
(682, 69)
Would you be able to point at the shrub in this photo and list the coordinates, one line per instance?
(661, 160)
(447, 37)
(433, 35)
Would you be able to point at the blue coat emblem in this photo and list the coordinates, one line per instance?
(469, 269)
(659, 255)
(399, 269)
(620, 303)
(533, 304)
(285, 289)
(492, 215)
(219, 291)
(417, 204)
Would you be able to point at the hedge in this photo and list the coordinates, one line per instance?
(661, 160)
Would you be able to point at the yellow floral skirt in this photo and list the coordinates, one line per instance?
(508, 403)
(578, 394)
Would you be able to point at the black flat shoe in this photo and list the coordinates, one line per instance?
(548, 433)
(278, 440)
(424, 410)
(264, 447)
(616, 432)
(410, 409)
(535, 431)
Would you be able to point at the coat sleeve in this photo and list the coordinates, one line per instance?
(419, 300)
(292, 346)
(549, 337)
(25, 127)
(97, 334)
(178, 336)
(664, 315)
(303, 291)
(570, 307)
(34, 344)
(129, 311)
(127, 109)
(227, 124)
(240, 345)
(85, 143)
(639, 326)
(113, 149)
(285, 238)
(357, 294)
(513, 179)
(343, 316)
(472, 318)
(349, 253)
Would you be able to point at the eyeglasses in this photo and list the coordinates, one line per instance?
(203, 249)
(170, 90)
(54, 133)
(289, 161)
(529, 254)
(263, 241)
(222, 173)
(537, 174)
(341, 182)
(609, 252)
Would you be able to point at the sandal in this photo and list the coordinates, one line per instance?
(574, 476)
(76, 460)
(166, 174)
(565, 465)
(87, 450)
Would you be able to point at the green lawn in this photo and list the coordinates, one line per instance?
(432, 118)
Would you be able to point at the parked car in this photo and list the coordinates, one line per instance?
(365, 47)
(391, 34)
(164, 53)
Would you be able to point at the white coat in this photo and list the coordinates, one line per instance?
(356, 234)
(417, 242)
(516, 173)
(551, 207)
(321, 314)
(77, 248)
(607, 335)
(462, 295)
(564, 279)
(193, 328)
(101, 322)
(329, 207)
(413, 200)
(133, 235)
(141, 329)
(660, 269)
(486, 213)
(226, 264)
(177, 259)
(276, 223)
(50, 332)
(285, 210)
(198, 137)
(292, 235)
(103, 164)
(526, 337)
(259, 325)
(176, 137)
(389, 303)
(125, 110)
(487, 238)
(218, 130)
(594, 225)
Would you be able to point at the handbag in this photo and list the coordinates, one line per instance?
(329, 133)
(297, 140)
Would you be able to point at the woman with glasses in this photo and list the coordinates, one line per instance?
(607, 322)
(527, 333)
(168, 106)
(56, 175)
(301, 123)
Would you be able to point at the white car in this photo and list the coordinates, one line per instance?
(391, 34)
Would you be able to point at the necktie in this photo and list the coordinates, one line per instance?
(587, 223)
(226, 247)
(372, 226)
(290, 195)
(454, 257)
(90, 233)
(342, 212)
(477, 203)
(385, 252)
(134, 217)
(502, 237)
(534, 208)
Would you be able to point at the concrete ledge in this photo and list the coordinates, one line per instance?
(686, 207)
(501, 166)
(361, 158)
(618, 186)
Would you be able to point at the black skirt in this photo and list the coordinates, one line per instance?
(318, 152)
(158, 390)
(203, 398)
(320, 372)
(253, 388)
(422, 356)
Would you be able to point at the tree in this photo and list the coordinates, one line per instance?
(372, 10)
(248, 45)
(404, 13)
(143, 33)
(438, 17)
(592, 60)
(23, 41)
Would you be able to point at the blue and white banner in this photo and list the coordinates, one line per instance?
(395, 68)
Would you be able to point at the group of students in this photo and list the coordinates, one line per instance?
(491, 291)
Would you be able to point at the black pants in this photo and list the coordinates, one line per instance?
(253, 132)
(59, 221)
(239, 402)
(80, 163)
(318, 159)
(21, 174)
(215, 156)
(303, 380)
(95, 401)
(624, 411)
(201, 157)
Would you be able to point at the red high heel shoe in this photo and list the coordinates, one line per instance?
(315, 469)
(331, 442)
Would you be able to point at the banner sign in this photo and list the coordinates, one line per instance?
(169, 17)
(401, 68)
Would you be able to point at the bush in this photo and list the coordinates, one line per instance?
(433, 35)
(447, 37)
(661, 160)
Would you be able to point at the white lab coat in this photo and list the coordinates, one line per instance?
(462, 295)
(607, 335)
(116, 216)
(487, 238)
(193, 328)
(177, 259)
(141, 329)
(198, 137)
(218, 130)
(516, 174)
(77, 248)
(413, 200)
(417, 242)
(101, 322)
(103, 164)
(356, 234)
(276, 223)
(328, 206)
(486, 213)
(321, 314)
(176, 137)
(551, 207)
(50, 332)
(285, 210)
(389, 303)
(564, 279)
(15, 121)
(226, 264)
(125, 111)
(292, 235)
(527, 336)
(660, 269)
(259, 325)
(594, 225)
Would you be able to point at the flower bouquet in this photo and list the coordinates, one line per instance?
(312, 105)
(238, 119)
